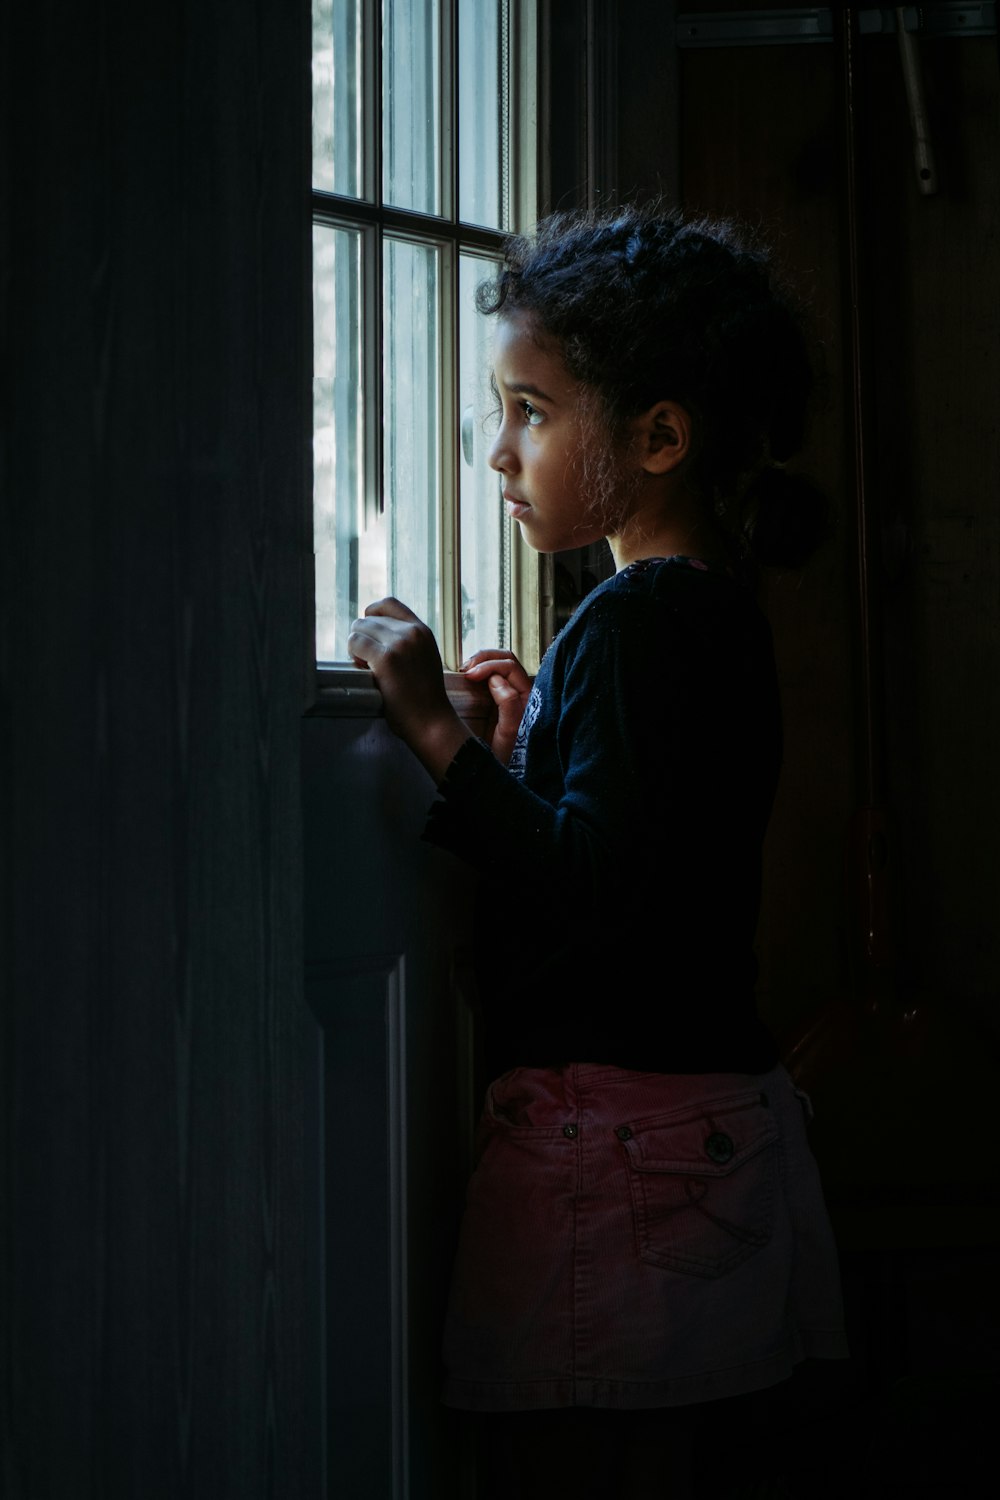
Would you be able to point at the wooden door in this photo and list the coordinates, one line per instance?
(393, 1097)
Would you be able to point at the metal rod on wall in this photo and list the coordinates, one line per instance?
(859, 402)
(913, 81)
(869, 847)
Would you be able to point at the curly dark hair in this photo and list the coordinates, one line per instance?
(647, 304)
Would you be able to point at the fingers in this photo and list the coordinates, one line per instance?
(394, 609)
(388, 628)
(501, 690)
(509, 702)
(507, 667)
(366, 643)
(489, 653)
(380, 631)
(402, 654)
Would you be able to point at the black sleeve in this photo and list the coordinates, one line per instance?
(621, 678)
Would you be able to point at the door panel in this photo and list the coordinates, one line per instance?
(387, 930)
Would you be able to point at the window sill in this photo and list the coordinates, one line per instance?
(350, 693)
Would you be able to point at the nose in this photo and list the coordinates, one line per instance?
(501, 455)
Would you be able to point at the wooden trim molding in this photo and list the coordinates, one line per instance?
(344, 692)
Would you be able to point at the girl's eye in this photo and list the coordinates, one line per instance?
(531, 414)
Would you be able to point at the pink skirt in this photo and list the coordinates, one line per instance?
(635, 1240)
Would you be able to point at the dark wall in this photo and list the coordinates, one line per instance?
(761, 137)
(759, 140)
(903, 1090)
(157, 1337)
(756, 132)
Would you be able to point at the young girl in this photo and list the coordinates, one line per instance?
(644, 1236)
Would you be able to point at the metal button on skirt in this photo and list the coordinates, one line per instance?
(636, 1240)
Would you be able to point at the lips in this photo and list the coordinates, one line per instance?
(515, 508)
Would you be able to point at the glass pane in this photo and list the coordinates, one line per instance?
(337, 95)
(411, 463)
(485, 528)
(482, 186)
(338, 414)
(411, 104)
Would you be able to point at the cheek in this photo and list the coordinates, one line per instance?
(573, 470)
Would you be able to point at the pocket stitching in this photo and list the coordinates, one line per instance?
(745, 1241)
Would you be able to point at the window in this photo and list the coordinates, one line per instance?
(423, 156)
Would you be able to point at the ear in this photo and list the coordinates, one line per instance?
(664, 436)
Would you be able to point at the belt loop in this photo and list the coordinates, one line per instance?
(806, 1102)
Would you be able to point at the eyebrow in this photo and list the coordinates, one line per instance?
(523, 388)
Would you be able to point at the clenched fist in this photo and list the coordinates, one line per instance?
(402, 654)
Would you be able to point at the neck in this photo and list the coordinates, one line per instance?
(670, 523)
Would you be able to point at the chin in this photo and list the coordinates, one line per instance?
(542, 544)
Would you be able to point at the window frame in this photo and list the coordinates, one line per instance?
(374, 221)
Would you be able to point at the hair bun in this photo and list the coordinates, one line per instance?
(787, 518)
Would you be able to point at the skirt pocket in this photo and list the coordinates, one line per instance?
(703, 1184)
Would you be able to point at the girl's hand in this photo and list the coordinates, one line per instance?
(402, 654)
(509, 686)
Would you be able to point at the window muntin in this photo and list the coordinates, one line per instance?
(412, 120)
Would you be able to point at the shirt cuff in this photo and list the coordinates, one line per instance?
(471, 779)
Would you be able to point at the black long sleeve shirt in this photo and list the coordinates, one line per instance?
(620, 853)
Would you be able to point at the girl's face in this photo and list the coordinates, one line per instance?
(538, 446)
